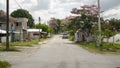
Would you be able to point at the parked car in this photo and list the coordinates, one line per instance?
(65, 35)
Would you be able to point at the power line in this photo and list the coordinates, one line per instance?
(18, 4)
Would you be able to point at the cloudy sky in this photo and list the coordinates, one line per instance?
(61, 8)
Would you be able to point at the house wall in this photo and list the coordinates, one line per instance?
(20, 26)
(22, 23)
(3, 25)
(3, 39)
(33, 35)
(81, 36)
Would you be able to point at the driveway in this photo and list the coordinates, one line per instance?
(61, 53)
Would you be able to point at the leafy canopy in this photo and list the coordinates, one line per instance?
(44, 28)
(22, 13)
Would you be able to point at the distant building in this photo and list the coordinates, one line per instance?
(34, 33)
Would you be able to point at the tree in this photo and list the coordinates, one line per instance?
(44, 28)
(107, 30)
(91, 10)
(115, 23)
(88, 17)
(24, 14)
(55, 24)
(74, 24)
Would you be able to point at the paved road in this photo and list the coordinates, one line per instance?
(61, 53)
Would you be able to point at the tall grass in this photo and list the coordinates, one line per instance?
(5, 64)
(22, 43)
(106, 47)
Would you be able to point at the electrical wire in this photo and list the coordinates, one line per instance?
(18, 4)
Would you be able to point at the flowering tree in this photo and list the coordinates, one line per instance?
(88, 17)
(91, 10)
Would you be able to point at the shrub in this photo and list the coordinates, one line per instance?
(4, 64)
(71, 38)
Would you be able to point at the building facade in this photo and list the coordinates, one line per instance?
(17, 28)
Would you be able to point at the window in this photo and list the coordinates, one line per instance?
(18, 24)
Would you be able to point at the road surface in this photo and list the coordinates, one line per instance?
(61, 53)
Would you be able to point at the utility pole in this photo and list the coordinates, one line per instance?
(39, 28)
(99, 25)
(7, 25)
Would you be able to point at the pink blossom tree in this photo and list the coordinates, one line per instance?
(88, 16)
(91, 10)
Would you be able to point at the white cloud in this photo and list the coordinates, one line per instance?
(61, 8)
(41, 4)
(108, 4)
(2, 4)
(112, 13)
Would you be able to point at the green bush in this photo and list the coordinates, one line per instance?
(106, 47)
(71, 38)
(4, 64)
(110, 45)
(71, 32)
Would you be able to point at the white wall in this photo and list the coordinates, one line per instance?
(3, 39)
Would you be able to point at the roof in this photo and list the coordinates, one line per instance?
(21, 20)
(2, 31)
(34, 30)
(3, 17)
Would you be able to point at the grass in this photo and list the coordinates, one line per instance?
(13, 45)
(71, 38)
(5, 64)
(12, 48)
(107, 48)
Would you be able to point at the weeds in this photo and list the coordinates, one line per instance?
(5, 64)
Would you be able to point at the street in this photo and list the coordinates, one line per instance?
(33, 33)
(61, 53)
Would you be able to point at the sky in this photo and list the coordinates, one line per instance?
(61, 8)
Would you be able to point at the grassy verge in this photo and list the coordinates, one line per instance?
(4, 64)
(12, 48)
(71, 38)
(107, 48)
(13, 45)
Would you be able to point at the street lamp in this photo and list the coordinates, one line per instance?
(99, 24)
(7, 25)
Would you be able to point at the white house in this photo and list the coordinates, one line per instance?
(17, 27)
(34, 33)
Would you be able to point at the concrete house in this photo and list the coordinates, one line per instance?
(34, 33)
(17, 27)
(3, 25)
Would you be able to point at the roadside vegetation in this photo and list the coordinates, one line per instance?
(85, 25)
(44, 27)
(107, 48)
(5, 64)
(13, 45)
